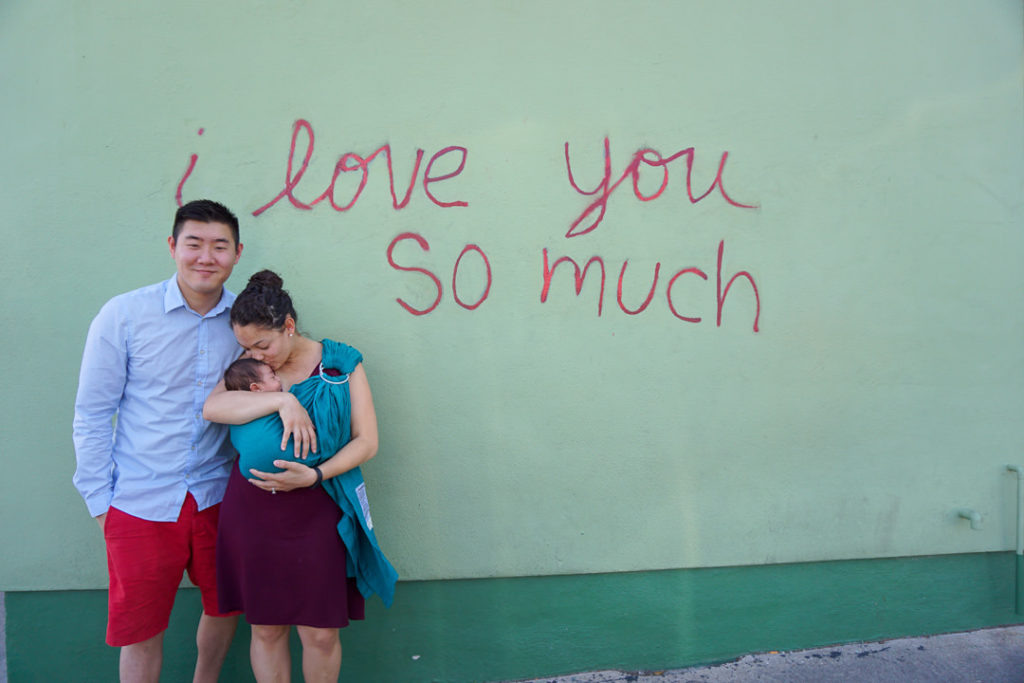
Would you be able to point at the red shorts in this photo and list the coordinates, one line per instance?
(146, 561)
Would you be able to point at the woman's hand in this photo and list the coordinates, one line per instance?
(295, 476)
(239, 407)
(298, 424)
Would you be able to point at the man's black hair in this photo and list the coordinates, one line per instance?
(205, 211)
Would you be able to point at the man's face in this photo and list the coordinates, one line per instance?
(205, 254)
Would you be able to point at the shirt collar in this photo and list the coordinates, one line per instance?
(173, 298)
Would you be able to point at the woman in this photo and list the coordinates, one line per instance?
(296, 546)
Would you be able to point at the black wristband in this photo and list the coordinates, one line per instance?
(319, 476)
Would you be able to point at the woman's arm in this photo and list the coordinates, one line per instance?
(360, 448)
(239, 407)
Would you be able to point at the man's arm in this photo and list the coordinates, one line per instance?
(101, 384)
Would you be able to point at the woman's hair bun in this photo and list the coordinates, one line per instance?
(263, 302)
(266, 278)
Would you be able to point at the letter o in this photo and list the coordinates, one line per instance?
(455, 274)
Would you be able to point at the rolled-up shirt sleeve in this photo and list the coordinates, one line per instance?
(101, 385)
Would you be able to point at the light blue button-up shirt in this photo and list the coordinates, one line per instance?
(151, 361)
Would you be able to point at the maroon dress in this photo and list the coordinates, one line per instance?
(280, 558)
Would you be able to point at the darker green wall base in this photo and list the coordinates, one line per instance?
(503, 629)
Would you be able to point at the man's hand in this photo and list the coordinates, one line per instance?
(102, 520)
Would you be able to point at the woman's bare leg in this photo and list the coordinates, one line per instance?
(269, 654)
(321, 654)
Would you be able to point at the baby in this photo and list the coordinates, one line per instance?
(258, 442)
(249, 374)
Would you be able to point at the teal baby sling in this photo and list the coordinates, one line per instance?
(329, 405)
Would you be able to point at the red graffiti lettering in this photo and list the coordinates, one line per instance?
(412, 179)
(188, 171)
(420, 240)
(351, 162)
(650, 294)
(579, 275)
(668, 292)
(291, 180)
(344, 165)
(646, 157)
(427, 179)
(455, 274)
(720, 293)
(437, 283)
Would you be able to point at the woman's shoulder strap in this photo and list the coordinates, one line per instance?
(340, 356)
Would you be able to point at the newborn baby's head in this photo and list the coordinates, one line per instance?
(249, 374)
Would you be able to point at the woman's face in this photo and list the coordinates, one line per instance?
(265, 344)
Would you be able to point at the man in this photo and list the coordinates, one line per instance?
(151, 470)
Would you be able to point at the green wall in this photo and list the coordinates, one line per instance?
(506, 629)
(879, 143)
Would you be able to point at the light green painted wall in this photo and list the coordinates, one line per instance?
(881, 142)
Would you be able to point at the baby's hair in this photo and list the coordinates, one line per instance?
(241, 374)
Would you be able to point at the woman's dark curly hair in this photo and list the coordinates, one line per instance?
(263, 302)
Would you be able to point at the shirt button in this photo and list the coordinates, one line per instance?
(202, 351)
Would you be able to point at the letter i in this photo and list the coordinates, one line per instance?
(188, 171)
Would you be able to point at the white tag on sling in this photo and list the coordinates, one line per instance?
(365, 504)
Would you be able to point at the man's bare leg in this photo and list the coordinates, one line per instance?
(141, 662)
(213, 638)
